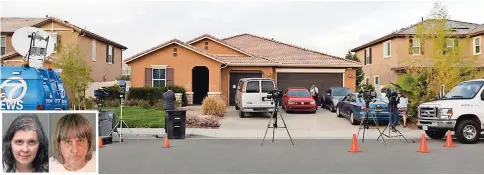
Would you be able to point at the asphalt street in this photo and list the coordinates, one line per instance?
(212, 156)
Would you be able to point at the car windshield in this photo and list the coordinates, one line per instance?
(298, 93)
(465, 90)
(341, 92)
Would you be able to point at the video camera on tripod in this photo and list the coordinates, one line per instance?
(275, 95)
(368, 95)
(102, 94)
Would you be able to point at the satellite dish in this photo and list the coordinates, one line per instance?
(34, 44)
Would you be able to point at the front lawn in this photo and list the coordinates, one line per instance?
(138, 117)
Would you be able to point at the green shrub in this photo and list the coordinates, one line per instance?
(158, 105)
(144, 104)
(112, 103)
(153, 94)
(213, 105)
(132, 102)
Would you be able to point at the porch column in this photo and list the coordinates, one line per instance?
(189, 97)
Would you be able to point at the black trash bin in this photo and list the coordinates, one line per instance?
(175, 124)
(107, 121)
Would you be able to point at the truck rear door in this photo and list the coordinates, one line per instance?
(251, 97)
(266, 86)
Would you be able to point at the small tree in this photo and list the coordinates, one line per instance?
(76, 74)
(442, 64)
(360, 75)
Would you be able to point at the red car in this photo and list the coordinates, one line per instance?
(298, 99)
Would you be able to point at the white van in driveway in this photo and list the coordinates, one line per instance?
(461, 110)
(251, 95)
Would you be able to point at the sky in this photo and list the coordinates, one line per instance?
(331, 27)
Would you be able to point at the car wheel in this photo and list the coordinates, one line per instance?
(468, 131)
(437, 135)
(352, 119)
(338, 114)
(241, 114)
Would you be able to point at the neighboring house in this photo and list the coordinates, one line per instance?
(210, 66)
(385, 58)
(101, 54)
(125, 70)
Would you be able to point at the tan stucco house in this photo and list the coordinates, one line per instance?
(211, 66)
(101, 54)
(386, 58)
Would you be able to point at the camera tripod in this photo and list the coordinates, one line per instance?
(389, 127)
(364, 124)
(274, 126)
(120, 123)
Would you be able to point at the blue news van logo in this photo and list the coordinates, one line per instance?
(13, 90)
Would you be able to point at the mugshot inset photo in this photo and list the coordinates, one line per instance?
(73, 142)
(25, 139)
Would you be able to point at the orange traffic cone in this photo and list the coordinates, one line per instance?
(100, 142)
(423, 145)
(354, 145)
(167, 143)
(448, 142)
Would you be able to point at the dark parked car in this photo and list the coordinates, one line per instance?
(332, 96)
(298, 99)
(353, 106)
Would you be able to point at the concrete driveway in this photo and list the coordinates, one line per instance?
(322, 124)
(321, 120)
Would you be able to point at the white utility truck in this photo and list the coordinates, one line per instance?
(461, 110)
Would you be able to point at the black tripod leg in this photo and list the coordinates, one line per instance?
(267, 129)
(285, 126)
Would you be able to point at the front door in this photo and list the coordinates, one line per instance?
(234, 80)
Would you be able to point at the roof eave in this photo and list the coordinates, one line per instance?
(170, 43)
(379, 40)
(219, 42)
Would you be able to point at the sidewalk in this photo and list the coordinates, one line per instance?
(280, 133)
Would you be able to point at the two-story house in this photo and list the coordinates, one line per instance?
(386, 58)
(104, 56)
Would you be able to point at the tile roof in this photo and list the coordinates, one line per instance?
(173, 41)
(286, 54)
(219, 41)
(10, 24)
(478, 30)
(245, 60)
(460, 27)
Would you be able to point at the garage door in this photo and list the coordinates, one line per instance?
(234, 80)
(322, 80)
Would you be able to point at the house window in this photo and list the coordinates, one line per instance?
(477, 45)
(3, 45)
(159, 78)
(387, 47)
(54, 38)
(367, 80)
(367, 56)
(206, 45)
(110, 54)
(174, 52)
(377, 80)
(449, 46)
(416, 50)
(93, 50)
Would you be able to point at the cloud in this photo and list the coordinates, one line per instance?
(329, 27)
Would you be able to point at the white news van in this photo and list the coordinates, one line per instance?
(461, 110)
